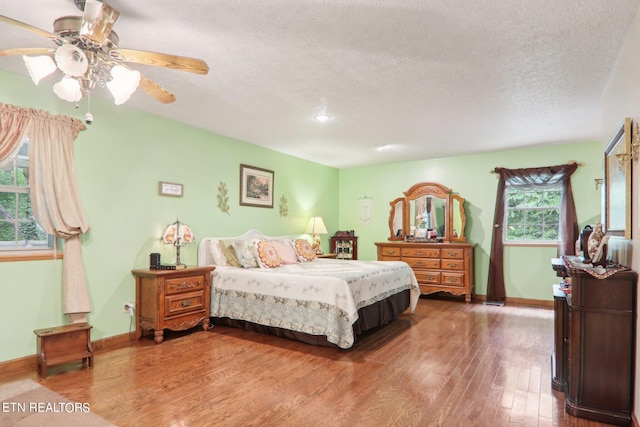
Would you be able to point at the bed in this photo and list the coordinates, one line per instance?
(314, 300)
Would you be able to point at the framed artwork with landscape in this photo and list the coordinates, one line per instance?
(256, 187)
(617, 170)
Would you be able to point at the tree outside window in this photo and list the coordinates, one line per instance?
(532, 214)
(18, 227)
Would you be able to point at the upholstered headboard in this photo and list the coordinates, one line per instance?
(205, 255)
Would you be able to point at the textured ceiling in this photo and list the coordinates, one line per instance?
(430, 78)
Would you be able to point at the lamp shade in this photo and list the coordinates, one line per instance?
(68, 89)
(316, 226)
(71, 60)
(39, 67)
(123, 83)
(177, 234)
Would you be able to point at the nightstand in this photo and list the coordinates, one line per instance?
(172, 299)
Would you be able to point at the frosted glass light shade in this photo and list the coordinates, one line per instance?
(68, 89)
(39, 67)
(71, 60)
(123, 83)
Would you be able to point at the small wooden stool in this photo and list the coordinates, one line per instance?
(63, 344)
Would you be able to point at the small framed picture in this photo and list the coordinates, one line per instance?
(256, 187)
(170, 189)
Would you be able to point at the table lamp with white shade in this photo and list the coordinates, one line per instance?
(316, 227)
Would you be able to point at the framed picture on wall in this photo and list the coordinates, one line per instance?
(256, 186)
(617, 188)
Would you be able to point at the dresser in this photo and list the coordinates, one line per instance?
(439, 267)
(594, 346)
(172, 299)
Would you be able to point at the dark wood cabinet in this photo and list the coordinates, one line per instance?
(346, 247)
(594, 346)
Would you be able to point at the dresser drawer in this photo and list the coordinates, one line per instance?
(452, 264)
(184, 284)
(422, 262)
(389, 251)
(456, 253)
(450, 278)
(431, 277)
(421, 252)
(183, 303)
(388, 258)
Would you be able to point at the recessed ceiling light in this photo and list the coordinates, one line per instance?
(322, 117)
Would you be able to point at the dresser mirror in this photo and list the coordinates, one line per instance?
(427, 212)
(396, 219)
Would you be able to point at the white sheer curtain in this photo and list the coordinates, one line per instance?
(54, 191)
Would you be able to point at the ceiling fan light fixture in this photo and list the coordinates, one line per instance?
(68, 89)
(71, 60)
(39, 67)
(123, 84)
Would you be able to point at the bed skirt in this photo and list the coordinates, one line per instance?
(369, 317)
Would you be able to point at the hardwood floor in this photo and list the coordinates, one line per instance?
(448, 364)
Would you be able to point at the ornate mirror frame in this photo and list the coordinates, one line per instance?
(617, 189)
(454, 215)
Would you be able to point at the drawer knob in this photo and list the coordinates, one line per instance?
(389, 251)
(186, 303)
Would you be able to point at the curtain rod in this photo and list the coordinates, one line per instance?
(570, 162)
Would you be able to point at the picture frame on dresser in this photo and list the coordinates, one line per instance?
(617, 188)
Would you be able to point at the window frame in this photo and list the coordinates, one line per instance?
(12, 253)
(523, 242)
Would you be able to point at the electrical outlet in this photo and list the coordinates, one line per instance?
(129, 308)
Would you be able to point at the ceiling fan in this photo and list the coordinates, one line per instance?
(88, 55)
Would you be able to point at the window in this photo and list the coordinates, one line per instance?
(19, 230)
(532, 215)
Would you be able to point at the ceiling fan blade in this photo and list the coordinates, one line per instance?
(28, 27)
(98, 20)
(181, 63)
(26, 51)
(155, 90)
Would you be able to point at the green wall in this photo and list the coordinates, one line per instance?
(123, 155)
(119, 161)
(527, 270)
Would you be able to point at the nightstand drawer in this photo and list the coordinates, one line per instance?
(186, 321)
(183, 303)
(184, 284)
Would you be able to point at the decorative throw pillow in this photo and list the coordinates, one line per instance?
(267, 255)
(229, 253)
(245, 253)
(304, 250)
(286, 251)
(216, 253)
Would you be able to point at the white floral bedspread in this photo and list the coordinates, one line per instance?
(319, 298)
